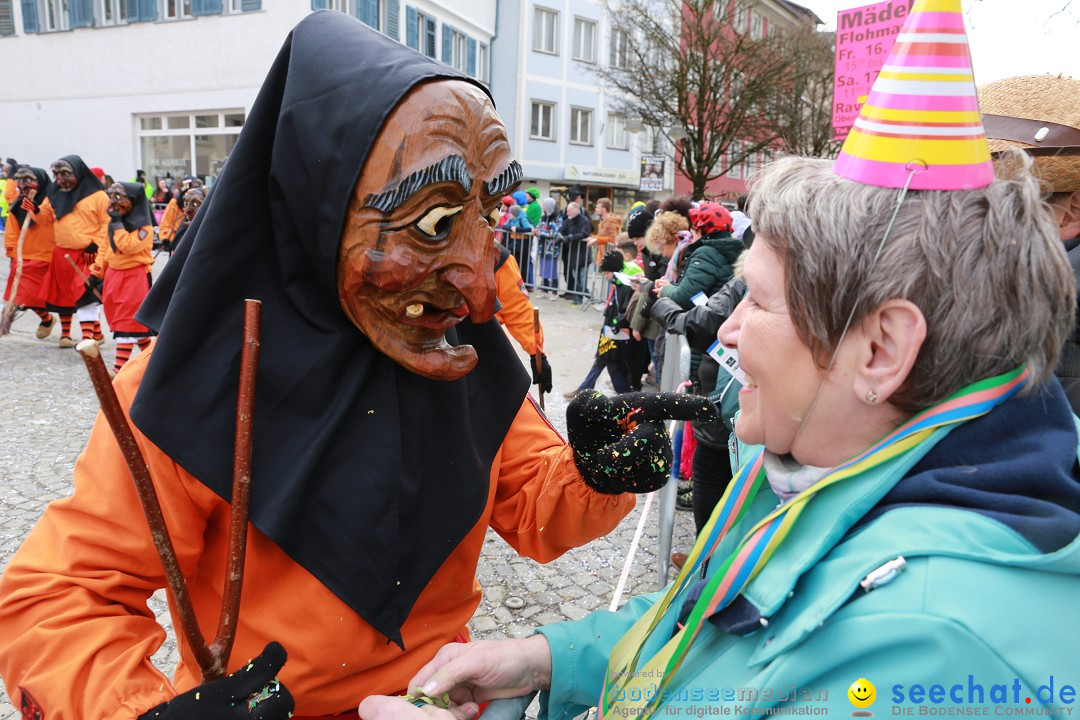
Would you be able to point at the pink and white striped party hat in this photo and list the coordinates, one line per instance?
(922, 113)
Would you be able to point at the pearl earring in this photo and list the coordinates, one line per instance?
(871, 397)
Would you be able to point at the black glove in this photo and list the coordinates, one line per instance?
(620, 443)
(92, 248)
(95, 282)
(251, 692)
(544, 380)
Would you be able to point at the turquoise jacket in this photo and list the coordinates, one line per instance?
(978, 619)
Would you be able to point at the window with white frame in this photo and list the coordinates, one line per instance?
(111, 12)
(734, 168)
(176, 9)
(346, 6)
(546, 31)
(54, 15)
(581, 126)
(542, 123)
(425, 32)
(720, 9)
(584, 40)
(482, 63)
(620, 49)
(172, 145)
(740, 16)
(616, 131)
(755, 26)
(459, 50)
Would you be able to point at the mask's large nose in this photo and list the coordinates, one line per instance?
(470, 269)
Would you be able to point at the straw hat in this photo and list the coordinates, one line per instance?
(1040, 113)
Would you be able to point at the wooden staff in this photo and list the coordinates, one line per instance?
(241, 491)
(212, 659)
(144, 486)
(9, 309)
(82, 276)
(537, 357)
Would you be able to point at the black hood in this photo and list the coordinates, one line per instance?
(364, 473)
(86, 184)
(43, 190)
(141, 215)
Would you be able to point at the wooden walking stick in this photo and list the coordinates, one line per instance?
(212, 659)
(8, 316)
(82, 276)
(537, 358)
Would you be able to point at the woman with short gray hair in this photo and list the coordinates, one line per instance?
(913, 442)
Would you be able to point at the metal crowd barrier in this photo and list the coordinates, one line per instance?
(576, 272)
(675, 372)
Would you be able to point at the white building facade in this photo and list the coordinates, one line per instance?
(564, 129)
(165, 85)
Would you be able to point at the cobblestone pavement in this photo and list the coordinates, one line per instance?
(47, 407)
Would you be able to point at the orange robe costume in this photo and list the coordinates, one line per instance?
(606, 232)
(37, 254)
(126, 271)
(73, 611)
(87, 222)
(516, 314)
(170, 221)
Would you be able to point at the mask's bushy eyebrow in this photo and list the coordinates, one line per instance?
(505, 180)
(450, 168)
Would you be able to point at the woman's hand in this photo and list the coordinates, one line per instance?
(487, 669)
(659, 284)
(470, 673)
(383, 707)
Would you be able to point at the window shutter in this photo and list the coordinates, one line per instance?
(447, 52)
(80, 13)
(29, 16)
(392, 19)
(7, 18)
(131, 10)
(205, 7)
(368, 12)
(147, 10)
(471, 67)
(318, 4)
(250, 5)
(411, 38)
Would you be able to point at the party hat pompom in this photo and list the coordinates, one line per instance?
(922, 113)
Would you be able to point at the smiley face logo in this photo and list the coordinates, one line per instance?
(862, 694)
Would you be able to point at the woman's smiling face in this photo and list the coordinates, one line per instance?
(781, 371)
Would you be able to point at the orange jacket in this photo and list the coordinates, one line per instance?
(516, 314)
(609, 227)
(87, 222)
(39, 242)
(170, 221)
(77, 634)
(11, 189)
(132, 250)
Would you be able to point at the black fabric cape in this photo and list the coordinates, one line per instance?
(364, 473)
(42, 193)
(86, 184)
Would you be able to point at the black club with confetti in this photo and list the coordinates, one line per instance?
(620, 443)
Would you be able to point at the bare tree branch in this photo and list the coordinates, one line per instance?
(692, 72)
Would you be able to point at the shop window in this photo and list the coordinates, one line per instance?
(174, 145)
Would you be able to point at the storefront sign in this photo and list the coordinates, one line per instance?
(864, 37)
(600, 175)
(652, 173)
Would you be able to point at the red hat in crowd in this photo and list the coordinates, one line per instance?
(98, 173)
(508, 200)
(710, 217)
